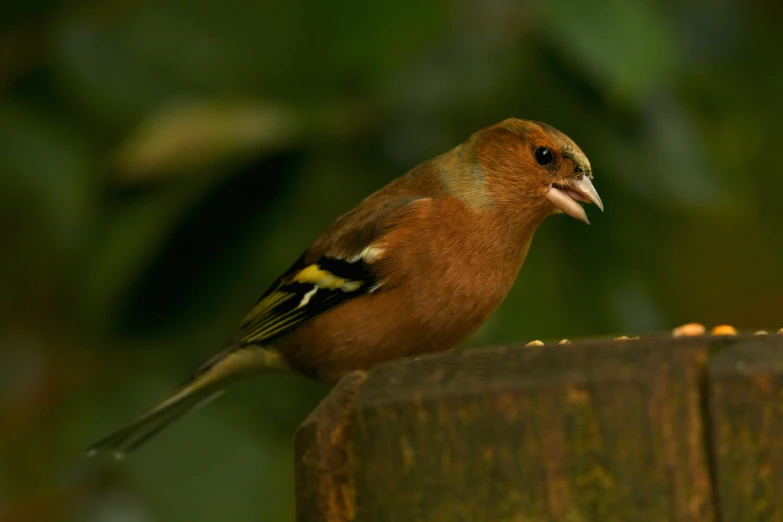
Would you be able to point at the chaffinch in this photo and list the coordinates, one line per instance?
(414, 268)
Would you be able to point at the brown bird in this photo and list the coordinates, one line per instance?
(414, 268)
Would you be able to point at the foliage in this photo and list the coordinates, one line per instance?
(161, 163)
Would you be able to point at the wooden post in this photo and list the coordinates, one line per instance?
(746, 406)
(324, 481)
(592, 431)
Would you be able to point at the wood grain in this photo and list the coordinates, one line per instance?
(605, 430)
(325, 491)
(746, 407)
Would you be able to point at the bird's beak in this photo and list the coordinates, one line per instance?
(567, 195)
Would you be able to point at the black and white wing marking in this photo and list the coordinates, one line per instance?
(305, 291)
(337, 268)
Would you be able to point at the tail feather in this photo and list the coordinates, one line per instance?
(148, 424)
(208, 384)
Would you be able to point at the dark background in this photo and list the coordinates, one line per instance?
(162, 161)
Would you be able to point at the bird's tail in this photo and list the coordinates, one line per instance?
(208, 383)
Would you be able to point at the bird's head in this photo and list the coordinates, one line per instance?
(534, 165)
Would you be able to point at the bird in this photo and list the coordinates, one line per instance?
(414, 268)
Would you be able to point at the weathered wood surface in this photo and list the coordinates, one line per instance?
(656, 429)
(324, 480)
(746, 408)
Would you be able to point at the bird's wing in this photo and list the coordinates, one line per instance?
(337, 268)
(304, 291)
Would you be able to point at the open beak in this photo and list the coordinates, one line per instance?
(568, 195)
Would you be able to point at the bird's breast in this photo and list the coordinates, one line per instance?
(451, 279)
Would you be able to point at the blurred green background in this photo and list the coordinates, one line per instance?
(162, 161)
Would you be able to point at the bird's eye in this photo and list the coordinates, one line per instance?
(543, 156)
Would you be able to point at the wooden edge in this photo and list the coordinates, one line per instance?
(324, 444)
(442, 412)
(324, 489)
(476, 369)
(746, 427)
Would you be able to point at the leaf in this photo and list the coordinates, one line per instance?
(128, 240)
(630, 48)
(46, 204)
(196, 135)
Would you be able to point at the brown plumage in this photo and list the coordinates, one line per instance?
(414, 268)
